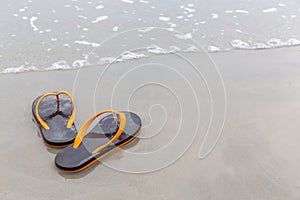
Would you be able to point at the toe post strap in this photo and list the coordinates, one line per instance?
(121, 117)
(42, 122)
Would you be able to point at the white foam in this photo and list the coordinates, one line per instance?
(23, 9)
(33, 26)
(59, 65)
(100, 7)
(143, 1)
(270, 10)
(145, 30)
(80, 63)
(214, 16)
(175, 48)
(84, 42)
(189, 9)
(228, 11)
(179, 17)
(81, 16)
(127, 1)
(172, 25)
(14, 70)
(242, 11)
(99, 19)
(67, 45)
(77, 8)
(274, 42)
(165, 19)
(259, 46)
(213, 49)
(271, 43)
(155, 49)
(239, 44)
(184, 36)
(128, 55)
(281, 5)
(292, 42)
(116, 28)
(190, 49)
(107, 60)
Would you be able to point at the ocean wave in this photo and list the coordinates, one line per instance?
(149, 51)
(20, 69)
(272, 43)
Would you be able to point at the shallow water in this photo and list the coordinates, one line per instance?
(51, 35)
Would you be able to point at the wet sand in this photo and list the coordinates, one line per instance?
(257, 156)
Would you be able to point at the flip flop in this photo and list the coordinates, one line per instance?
(55, 118)
(113, 131)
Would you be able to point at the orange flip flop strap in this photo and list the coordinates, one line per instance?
(42, 122)
(79, 137)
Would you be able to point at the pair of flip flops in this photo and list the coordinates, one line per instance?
(54, 114)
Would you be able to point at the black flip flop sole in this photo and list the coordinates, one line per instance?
(75, 160)
(56, 115)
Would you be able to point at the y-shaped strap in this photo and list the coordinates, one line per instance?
(42, 122)
(120, 117)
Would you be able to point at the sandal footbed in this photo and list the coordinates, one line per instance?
(70, 159)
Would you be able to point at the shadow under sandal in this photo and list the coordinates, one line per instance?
(113, 131)
(54, 116)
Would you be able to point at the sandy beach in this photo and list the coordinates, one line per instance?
(215, 83)
(256, 157)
